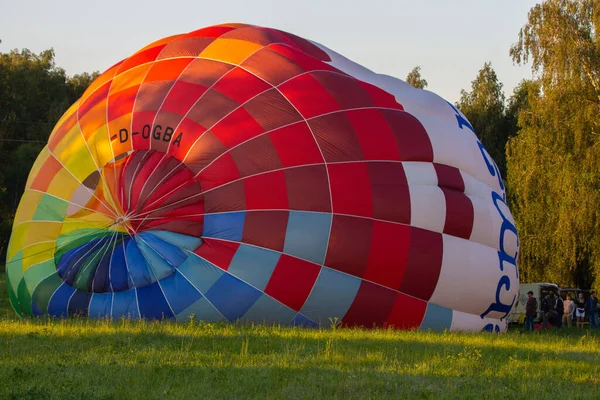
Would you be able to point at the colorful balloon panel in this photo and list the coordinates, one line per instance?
(243, 173)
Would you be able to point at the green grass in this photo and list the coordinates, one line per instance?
(82, 359)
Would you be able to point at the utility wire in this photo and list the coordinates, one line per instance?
(22, 140)
(20, 121)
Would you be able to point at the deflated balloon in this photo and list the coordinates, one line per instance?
(243, 173)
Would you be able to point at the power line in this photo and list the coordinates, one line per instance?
(8, 121)
(22, 140)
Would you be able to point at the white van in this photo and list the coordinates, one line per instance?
(539, 290)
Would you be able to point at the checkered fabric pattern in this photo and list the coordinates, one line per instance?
(235, 172)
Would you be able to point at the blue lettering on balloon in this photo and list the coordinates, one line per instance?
(491, 328)
(498, 306)
(491, 166)
(507, 225)
(460, 119)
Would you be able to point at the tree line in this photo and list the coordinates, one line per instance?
(545, 137)
(34, 93)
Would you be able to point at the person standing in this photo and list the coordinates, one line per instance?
(530, 311)
(580, 310)
(569, 310)
(547, 310)
(592, 309)
(559, 309)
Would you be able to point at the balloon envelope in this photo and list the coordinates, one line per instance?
(243, 173)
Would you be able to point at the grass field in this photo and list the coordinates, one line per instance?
(81, 359)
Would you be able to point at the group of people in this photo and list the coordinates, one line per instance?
(560, 312)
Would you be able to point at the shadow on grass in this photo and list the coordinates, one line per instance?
(123, 380)
(246, 363)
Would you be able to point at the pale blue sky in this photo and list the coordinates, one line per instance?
(450, 39)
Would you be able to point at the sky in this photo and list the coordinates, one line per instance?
(449, 39)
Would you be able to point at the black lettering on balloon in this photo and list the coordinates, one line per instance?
(146, 131)
(177, 140)
(168, 134)
(123, 135)
(157, 132)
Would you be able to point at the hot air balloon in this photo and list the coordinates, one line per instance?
(239, 172)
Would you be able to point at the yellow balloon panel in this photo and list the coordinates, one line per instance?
(74, 155)
(37, 253)
(27, 206)
(86, 219)
(231, 51)
(41, 231)
(63, 185)
(99, 144)
(17, 239)
(31, 232)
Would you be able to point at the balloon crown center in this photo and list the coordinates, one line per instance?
(121, 220)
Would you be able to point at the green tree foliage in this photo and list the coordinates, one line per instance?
(34, 93)
(484, 107)
(553, 163)
(415, 79)
(519, 104)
